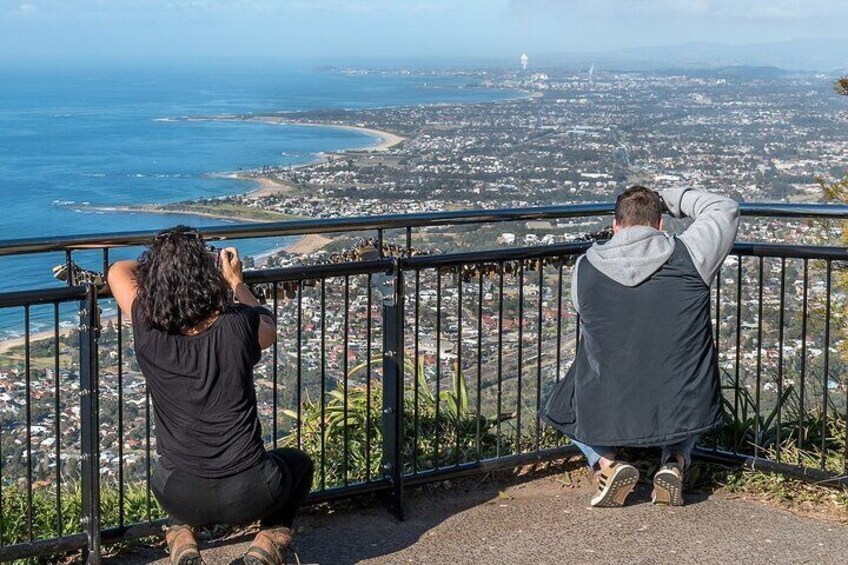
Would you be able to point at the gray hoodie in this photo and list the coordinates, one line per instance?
(636, 253)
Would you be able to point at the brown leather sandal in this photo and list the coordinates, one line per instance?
(269, 547)
(182, 545)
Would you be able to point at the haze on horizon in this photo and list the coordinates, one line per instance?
(450, 30)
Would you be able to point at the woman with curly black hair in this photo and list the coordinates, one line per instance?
(198, 333)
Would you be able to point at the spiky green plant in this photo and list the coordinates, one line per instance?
(438, 430)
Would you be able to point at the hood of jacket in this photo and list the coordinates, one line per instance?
(632, 255)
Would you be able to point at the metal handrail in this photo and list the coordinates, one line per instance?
(390, 221)
(398, 333)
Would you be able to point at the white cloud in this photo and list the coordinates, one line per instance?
(27, 8)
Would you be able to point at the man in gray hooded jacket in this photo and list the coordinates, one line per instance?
(645, 373)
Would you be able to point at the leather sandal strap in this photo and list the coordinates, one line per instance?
(263, 554)
(182, 543)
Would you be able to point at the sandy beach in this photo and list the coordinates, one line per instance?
(386, 139)
(266, 186)
(7, 344)
(309, 243)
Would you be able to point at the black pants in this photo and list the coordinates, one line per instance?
(271, 491)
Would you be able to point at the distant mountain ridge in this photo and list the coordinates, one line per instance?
(823, 55)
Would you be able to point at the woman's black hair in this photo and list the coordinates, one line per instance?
(179, 283)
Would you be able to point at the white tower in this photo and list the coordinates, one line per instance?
(524, 60)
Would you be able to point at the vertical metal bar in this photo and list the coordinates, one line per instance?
(408, 241)
(274, 368)
(500, 354)
(380, 242)
(576, 333)
(299, 377)
(69, 262)
(520, 367)
(438, 364)
(346, 332)
(559, 322)
(393, 393)
(323, 463)
(717, 334)
(759, 360)
(845, 437)
(718, 311)
(458, 372)
(479, 359)
(826, 369)
(418, 369)
(57, 425)
(368, 337)
(558, 362)
(90, 426)
(148, 501)
(738, 353)
(539, 355)
(121, 492)
(780, 354)
(802, 428)
(28, 412)
(105, 261)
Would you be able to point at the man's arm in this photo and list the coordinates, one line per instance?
(710, 237)
(574, 302)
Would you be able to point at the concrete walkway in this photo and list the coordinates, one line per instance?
(547, 520)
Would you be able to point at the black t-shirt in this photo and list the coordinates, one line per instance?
(203, 392)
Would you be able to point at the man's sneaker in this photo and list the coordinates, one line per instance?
(614, 484)
(668, 485)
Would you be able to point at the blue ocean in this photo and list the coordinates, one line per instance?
(77, 136)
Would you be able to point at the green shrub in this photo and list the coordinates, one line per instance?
(45, 511)
(430, 439)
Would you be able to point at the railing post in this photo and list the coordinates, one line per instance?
(90, 424)
(392, 465)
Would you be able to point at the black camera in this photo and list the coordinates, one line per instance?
(215, 253)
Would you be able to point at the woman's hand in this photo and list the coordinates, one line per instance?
(231, 267)
(231, 271)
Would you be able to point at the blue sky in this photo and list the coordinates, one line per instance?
(290, 30)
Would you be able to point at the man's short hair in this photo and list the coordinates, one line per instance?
(638, 206)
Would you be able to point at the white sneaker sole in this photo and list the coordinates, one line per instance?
(668, 489)
(620, 485)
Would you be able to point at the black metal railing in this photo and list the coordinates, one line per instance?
(397, 371)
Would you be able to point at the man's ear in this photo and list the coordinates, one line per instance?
(615, 227)
(661, 225)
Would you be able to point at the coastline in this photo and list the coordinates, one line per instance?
(385, 140)
(157, 209)
(264, 186)
(309, 243)
(6, 345)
